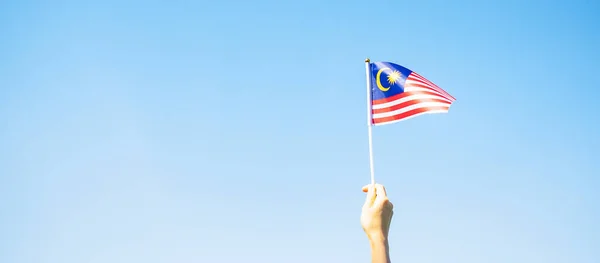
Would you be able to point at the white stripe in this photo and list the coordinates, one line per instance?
(409, 98)
(410, 88)
(416, 82)
(410, 117)
(409, 108)
(433, 88)
(424, 81)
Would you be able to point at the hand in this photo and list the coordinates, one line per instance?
(376, 213)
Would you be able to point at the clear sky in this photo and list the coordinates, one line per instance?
(235, 131)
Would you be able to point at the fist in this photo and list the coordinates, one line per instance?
(376, 213)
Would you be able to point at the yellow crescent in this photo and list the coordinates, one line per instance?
(378, 80)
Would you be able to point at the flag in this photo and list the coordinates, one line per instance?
(398, 93)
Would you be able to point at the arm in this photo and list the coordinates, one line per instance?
(380, 251)
(375, 219)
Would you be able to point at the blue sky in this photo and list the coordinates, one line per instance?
(234, 131)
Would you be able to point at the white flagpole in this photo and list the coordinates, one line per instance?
(369, 118)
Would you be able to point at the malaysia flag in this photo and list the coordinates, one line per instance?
(399, 94)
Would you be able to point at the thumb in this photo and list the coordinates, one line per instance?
(371, 195)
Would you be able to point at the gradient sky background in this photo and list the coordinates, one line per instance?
(234, 131)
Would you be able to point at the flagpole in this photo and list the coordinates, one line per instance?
(369, 118)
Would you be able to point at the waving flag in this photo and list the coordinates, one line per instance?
(398, 93)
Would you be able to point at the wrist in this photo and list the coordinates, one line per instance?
(376, 238)
(379, 249)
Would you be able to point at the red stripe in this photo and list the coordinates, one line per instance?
(404, 95)
(408, 103)
(425, 80)
(429, 85)
(416, 77)
(425, 86)
(408, 114)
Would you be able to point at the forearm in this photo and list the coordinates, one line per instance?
(380, 250)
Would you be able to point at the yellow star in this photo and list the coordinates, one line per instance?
(393, 77)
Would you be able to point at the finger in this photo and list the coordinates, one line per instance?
(370, 189)
(388, 206)
(366, 188)
(380, 191)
